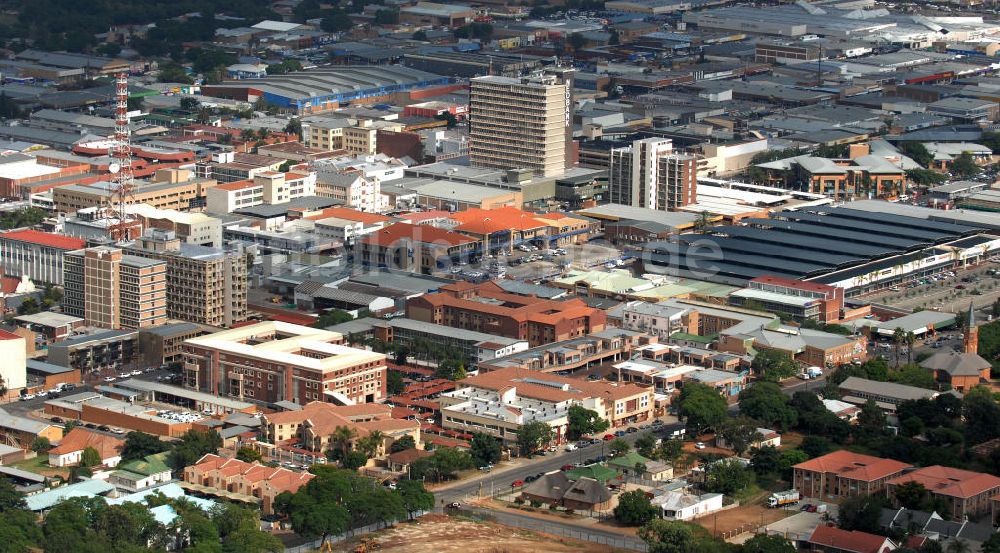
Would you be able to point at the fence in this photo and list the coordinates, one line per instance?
(565, 531)
(316, 544)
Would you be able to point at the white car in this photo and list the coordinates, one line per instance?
(116, 430)
(136, 372)
(699, 445)
(26, 397)
(109, 379)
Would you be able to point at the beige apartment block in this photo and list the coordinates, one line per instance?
(110, 289)
(204, 285)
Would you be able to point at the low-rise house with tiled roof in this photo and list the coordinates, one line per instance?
(830, 539)
(137, 475)
(580, 493)
(313, 426)
(417, 248)
(845, 474)
(232, 478)
(499, 402)
(966, 493)
(400, 461)
(70, 449)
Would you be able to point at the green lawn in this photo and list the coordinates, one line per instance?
(40, 465)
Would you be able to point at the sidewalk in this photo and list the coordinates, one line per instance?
(505, 466)
(542, 514)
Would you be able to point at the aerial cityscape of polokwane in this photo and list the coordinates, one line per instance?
(500, 276)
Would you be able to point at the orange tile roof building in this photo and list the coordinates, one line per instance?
(274, 361)
(967, 493)
(251, 480)
(499, 402)
(71, 447)
(505, 227)
(830, 539)
(314, 424)
(418, 248)
(488, 308)
(845, 474)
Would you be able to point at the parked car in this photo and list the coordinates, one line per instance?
(631, 430)
(699, 445)
(454, 505)
(566, 467)
(620, 433)
(517, 483)
(26, 397)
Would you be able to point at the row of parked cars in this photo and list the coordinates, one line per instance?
(50, 393)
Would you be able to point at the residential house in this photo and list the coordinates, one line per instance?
(140, 474)
(557, 488)
(213, 474)
(71, 448)
(960, 370)
(830, 539)
(675, 505)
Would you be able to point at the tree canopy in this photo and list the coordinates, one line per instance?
(701, 406)
(634, 508)
(583, 421)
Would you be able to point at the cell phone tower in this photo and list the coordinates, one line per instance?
(122, 177)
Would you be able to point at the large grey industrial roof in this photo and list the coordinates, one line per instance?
(335, 80)
(909, 221)
(806, 229)
(827, 245)
(194, 395)
(869, 226)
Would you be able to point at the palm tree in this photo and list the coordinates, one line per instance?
(371, 444)
(898, 337)
(340, 440)
(910, 339)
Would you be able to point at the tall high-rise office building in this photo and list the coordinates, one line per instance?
(110, 289)
(649, 174)
(522, 123)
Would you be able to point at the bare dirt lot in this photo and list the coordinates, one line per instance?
(740, 519)
(442, 534)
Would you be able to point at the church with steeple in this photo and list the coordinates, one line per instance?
(964, 369)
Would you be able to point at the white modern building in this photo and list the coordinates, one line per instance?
(685, 506)
(649, 174)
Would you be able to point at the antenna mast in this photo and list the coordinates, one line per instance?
(122, 177)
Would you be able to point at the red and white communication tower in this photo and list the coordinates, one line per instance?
(122, 178)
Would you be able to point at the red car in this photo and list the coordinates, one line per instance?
(567, 467)
(609, 437)
(517, 483)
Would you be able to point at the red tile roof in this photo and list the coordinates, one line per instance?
(854, 466)
(488, 221)
(418, 233)
(857, 542)
(45, 239)
(236, 185)
(952, 482)
(79, 439)
(5, 335)
(348, 214)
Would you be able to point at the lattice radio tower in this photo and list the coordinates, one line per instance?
(122, 177)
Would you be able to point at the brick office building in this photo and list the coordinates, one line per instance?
(274, 361)
(488, 308)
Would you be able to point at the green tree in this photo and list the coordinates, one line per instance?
(41, 444)
(29, 306)
(992, 545)
(739, 433)
(193, 445)
(917, 152)
(728, 476)
(913, 375)
(634, 508)
(248, 455)
(402, 444)
(415, 496)
(582, 421)
(577, 41)
(926, 177)
(765, 402)
(331, 318)
(532, 437)
(485, 449)
(618, 446)
(668, 536)
(964, 166)
(764, 543)
(353, 460)
(447, 461)
(139, 444)
(912, 495)
(670, 450)
(394, 384)
(645, 445)
(173, 73)
(701, 406)
(861, 513)
(341, 442)
(773, 365)
(871, 419)
(90, 458)
(981, 413)
(765, 460)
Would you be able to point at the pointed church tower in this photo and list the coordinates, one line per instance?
(971, 339)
